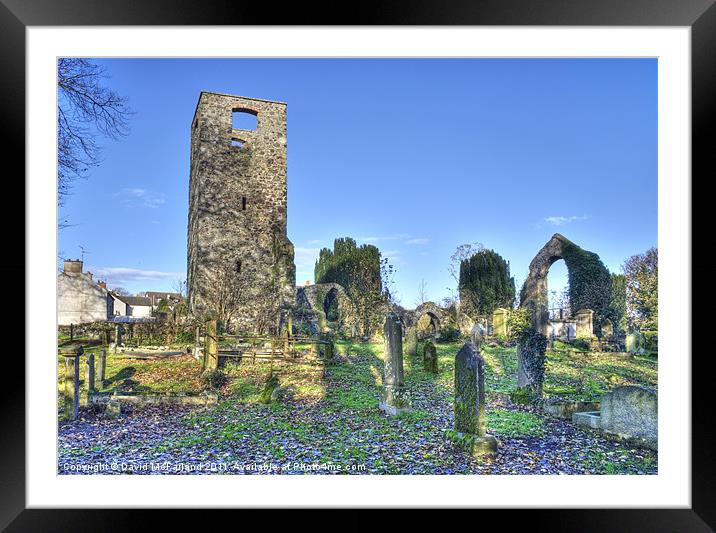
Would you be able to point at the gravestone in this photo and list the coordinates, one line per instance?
(411, 341)
(90, 374)
(585, 329)
(72, 353)
(430, 358)
(394, 397)
(101, 368)
(211, 348)
(635, 343)
(531, 350)
(470, 417)
(607, 330)
(499, 322)
(630, 412)
(326, 347)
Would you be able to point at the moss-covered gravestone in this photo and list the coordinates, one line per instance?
(531, 348)
(430, 358)
(411, 341)
(470, 417)
(72, 353)
(326, 347)
(394, 395)
(635, 343)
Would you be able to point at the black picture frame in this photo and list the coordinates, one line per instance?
(699, 15)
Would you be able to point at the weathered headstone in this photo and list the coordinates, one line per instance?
(631, 412)
(90, 373)
(499, 322)
(607, 330)
(326, 347)
(470, 417)
(531, 349)
(430, 358)
(635, 343)
(477, 334)
(394, 398)
(211, 348)
(101, 368)
(585, 328)
(72, 353)
(411, 341)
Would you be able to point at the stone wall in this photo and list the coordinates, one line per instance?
(238, 203)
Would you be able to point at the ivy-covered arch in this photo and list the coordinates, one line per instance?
(589, 281)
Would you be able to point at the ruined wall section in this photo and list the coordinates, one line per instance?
(238, 203)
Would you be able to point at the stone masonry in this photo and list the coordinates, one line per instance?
(238, 203)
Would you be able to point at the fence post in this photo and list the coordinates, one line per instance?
(72, 353)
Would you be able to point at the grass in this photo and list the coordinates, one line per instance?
(331, 413)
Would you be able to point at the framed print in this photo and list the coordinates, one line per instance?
(412, 259)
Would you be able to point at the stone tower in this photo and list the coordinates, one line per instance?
(237, 210)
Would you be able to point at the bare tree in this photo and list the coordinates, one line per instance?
(86, 109)
(462, 252)
(225, 292)
(422, 293)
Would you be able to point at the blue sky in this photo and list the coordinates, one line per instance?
(416, 156)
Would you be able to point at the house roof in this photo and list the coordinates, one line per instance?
(134, 300)
(162, 295)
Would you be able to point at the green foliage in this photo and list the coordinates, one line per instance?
(485, 283)
(448, 334)
(583, 345)
(520, 396)
(346, 262)
(590, 284)
(642, 290)
(617, 310)
(518, 320)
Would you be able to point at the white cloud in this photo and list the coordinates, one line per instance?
(417, 241)
(305, 258)
(134, 197)
(122, 275)
(560, 221)
(383, 238)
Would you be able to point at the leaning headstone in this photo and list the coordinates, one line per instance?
(470, 417)
(631, 413)
(394, 397)
(499, 322)
(585, 328)
(607, 330)
(430, 358)
(72, 353)
(411, 341)
(211, 348)
(531, 349)
(635, 343)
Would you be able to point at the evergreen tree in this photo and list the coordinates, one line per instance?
(485, 283)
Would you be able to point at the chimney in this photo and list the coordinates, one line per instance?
(73, 266)
(102, 284)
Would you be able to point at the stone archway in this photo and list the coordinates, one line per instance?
(434, 314)
(589, 280)
(331, 305)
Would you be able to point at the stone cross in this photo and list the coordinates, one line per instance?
(211, 348)
(411, 341)
(470, 416)
(72, 353)
(394, 398)
(430, 358)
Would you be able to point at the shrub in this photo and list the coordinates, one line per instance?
(449, 334)
(581, 344)
(213, 379)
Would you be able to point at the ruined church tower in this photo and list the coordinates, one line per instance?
(237, 207)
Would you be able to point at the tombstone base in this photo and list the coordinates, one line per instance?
(478, 447)
(392, 410)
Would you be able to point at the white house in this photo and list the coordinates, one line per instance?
(79, 299)
(136, 306)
